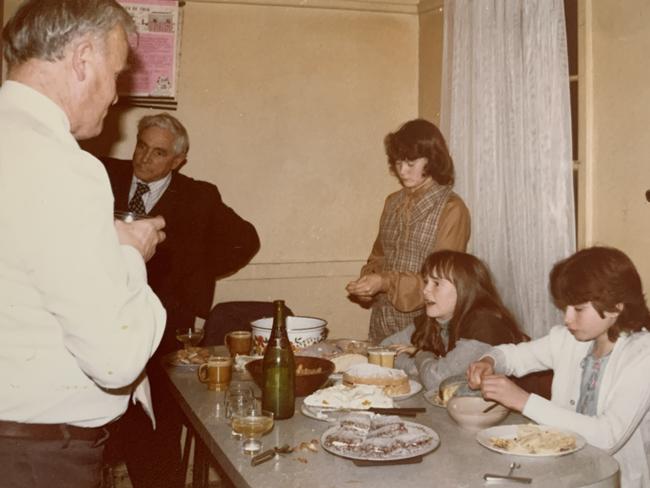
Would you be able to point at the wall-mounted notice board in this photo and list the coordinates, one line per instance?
(151, 80)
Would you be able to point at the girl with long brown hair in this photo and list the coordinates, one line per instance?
(465, 316)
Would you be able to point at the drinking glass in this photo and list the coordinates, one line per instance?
(252, 426)
(128, 217)
(238, 400)
(189, 336)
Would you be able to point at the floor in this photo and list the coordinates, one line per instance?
(118, 477)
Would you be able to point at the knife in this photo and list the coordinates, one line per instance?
(263, 457)
(504, 477)
(403, 411)
(387, 462)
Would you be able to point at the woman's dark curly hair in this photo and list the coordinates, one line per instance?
(474, 289)
(607, 278)
(420, 138)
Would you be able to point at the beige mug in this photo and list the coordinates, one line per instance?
(239, 342)
(216, 372)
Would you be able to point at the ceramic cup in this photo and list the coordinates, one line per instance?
(239, 342)
(216, 372)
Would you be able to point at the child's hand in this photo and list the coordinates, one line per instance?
(403, 348)
(477, 370)
(499, 388)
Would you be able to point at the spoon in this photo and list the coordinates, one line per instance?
(513, 466)
(490, 407)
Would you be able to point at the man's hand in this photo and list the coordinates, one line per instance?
(477, 370)
(143, 234)
(365, 287)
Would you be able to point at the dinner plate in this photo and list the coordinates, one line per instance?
(432, 397)
(336, 378)
(353, 346)
(171, 359)
(510, 432)
(415, 388)
(404, 453)
(323, 414)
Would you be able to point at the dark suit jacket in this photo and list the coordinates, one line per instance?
(205, 240)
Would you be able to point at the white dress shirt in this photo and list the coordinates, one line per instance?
(78, 321)
(156, 190)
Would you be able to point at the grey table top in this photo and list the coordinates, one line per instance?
(459, 461)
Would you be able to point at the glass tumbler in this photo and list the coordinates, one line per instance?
(238, 400)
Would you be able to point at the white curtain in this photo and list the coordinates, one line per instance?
(506, 117)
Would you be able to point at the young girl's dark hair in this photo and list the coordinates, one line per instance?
(606, 277)
(420, 138)
(474, 289)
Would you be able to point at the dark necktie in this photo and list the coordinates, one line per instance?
(136, 204)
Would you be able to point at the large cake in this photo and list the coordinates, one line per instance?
(394, 381)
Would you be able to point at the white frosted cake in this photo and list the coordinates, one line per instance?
(393, 381)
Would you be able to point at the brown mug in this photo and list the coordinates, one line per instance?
(216, 372)
(239, 342)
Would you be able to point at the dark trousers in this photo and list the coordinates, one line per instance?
(28, 463)
(228, 316)
(152, 457)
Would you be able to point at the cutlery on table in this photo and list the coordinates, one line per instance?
(490, 407)
(403, 411)
(270, 454)
(507, 477)
(386, 462)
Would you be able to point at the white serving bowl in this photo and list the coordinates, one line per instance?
(302, 332)
(468, 413)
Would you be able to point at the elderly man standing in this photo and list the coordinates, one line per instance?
(206, 239)
(78, 321)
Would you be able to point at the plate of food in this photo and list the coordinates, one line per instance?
(349, 397)
(433, 397)
(353, 346)
(414, 386)
(376, 437)
(530, 440)
(190, 357)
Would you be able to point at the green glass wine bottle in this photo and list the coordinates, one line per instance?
(279, 369)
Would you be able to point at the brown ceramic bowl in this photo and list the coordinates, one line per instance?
(306, 384)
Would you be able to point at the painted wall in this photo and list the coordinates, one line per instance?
(287, 104)
(618, 121)
(287, 108)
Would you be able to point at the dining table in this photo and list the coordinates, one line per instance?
(458, 461)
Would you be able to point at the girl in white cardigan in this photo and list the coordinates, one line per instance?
(600, 359)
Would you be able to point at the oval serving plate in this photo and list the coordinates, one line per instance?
(413, 428)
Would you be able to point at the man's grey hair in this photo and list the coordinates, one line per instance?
(172, 124)
(41, 29)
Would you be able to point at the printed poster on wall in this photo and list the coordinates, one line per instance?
(152, 77)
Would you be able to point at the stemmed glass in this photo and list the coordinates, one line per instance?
(189, 336)
(252, 425)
